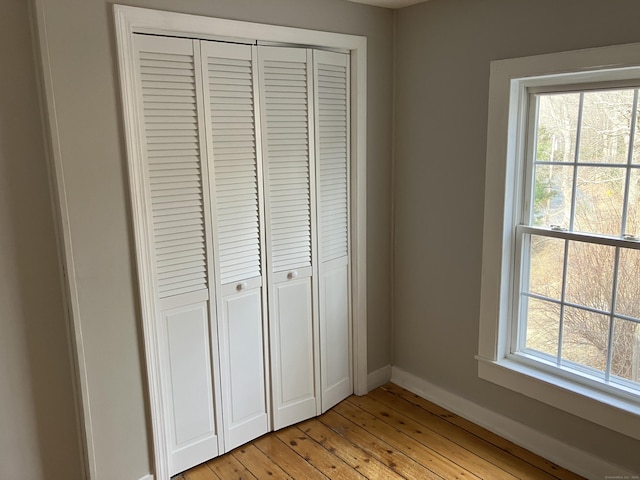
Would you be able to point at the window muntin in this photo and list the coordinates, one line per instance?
(578, 301)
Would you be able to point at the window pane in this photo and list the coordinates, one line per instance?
(590, 275)
(545, 269)
(633, 213)
(606, 126)
(557, 127)
(585, 338)
(625, 361)
(599, 200)
(543, 326)
(628, 294)
(552, 195)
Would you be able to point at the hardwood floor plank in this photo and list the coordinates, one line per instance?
(481, 432)
(483, 449)
(288, 460)
(332, 466)
(201, 472)
(227, 467)
(389, 434)
(434, 440)
(358, 459)
(258, 463)
(423, 454)
(393, 458)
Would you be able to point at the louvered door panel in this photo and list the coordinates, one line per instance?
(286, 107)
(285, 88)
(331, 74)
(175, 175)
(171, 124)
(231, 118)
(331, 80)
(229, 72)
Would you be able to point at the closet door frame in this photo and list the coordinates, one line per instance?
(132, 20)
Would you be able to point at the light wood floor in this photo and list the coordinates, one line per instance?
(388, 434)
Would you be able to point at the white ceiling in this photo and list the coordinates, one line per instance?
(389, 3)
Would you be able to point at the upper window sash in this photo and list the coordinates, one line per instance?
(527, 162)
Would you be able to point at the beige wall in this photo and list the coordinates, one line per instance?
(443, 52)
(84, 75)
(38, 434)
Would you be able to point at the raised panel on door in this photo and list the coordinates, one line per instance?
(230, 105)
(292, 355)
(176, 208)
(287, 139)
(241, 321)
(332, 136)
(335, 334)
(187, 362)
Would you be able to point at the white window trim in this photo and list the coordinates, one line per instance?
(131, 20)
(504, 179)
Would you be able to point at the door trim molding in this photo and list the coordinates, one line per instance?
(131, 20)
(60, 208)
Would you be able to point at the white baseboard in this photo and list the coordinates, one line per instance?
(147, 477)
(379, 377)
(567, 456)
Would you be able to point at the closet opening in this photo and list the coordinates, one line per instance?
(246, 155)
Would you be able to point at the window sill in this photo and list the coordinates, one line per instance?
(618, 414)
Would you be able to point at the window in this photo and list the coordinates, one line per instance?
(560, 307)
(579, 295)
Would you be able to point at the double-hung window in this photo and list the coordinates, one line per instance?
(560, 312)
(578, 304)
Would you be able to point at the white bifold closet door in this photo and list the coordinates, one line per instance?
(234, 153)
(176, 198)
(287, 135)
(245, 168)
(331, 92)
